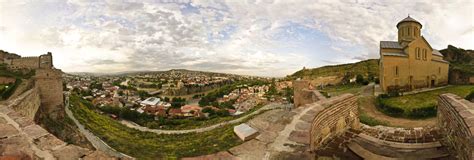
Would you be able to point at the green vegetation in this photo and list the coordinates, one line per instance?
(147, 145)
(366, 102)
(7, 90)
(21, 74)
(367, 68)
(336, 90)
(460, 60)
(420, 105)
(470, 96)
(371, 121)
(211, 98)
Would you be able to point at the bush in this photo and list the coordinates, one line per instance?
(470, 96)
(416, 113)
(371, 121)
(6, 93)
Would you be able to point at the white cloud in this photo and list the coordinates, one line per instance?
(227, 36)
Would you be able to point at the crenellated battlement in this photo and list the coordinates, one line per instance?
(15, 61)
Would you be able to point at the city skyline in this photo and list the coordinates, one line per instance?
(260, 38)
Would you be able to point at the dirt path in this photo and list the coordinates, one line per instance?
(367, 105)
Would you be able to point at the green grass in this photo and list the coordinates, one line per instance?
(336, 90)
(371, 121)
(422, 101)
(362, 68)
(147, 145)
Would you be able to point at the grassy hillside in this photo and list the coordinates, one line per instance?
(461, 65)
(365, 68)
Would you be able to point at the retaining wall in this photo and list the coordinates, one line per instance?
(456, 121)
(338, 115)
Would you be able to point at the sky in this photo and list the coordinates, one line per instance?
(249, 37)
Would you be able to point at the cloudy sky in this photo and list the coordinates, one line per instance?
(252, 37)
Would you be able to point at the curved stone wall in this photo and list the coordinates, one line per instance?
(456, 121)
(338, 115)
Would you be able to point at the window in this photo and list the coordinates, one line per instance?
(396, 70)
(417, 53)
(416, 31)
(424, 54)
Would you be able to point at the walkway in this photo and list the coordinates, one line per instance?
(96, 141)
(367, 106)
(204, 129)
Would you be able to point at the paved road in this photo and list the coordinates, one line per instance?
(96, 141)
(197, 130)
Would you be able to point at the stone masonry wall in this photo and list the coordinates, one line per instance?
(27, 104)
(456, 121)
(338, 115)
(304, 93)
(25, 62)
(50, 85)
(7, 80)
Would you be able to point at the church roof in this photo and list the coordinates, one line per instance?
(390, 45)
(436, 52)
(408, 19)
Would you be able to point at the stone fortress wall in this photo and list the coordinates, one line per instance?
(304, 93)
(20, 137)
(7, 80)
(44, 61)
(456, 120)
(50, 85)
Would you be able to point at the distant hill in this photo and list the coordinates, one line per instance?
(461, 65)
(340, 72)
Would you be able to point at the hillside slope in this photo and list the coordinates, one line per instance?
(461, 65)
(337, 73)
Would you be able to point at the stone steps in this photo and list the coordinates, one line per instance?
(372, 148)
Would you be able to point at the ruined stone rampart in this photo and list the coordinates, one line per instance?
(16, 62)
(49, 83)
(456, 121)
(27, 104)
(21, 138)
(7, 80)
(304, 93)
(336, 116)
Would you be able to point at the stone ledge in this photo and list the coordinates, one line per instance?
(35, 131)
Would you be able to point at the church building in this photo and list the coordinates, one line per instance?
(410, 63)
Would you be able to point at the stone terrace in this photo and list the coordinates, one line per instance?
(21, 138)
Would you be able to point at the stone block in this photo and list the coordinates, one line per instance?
(303, 126)
(70, 152)
(49, 142)
(299, 137)
(35, 131)
(7, 130)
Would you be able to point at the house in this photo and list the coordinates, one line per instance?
(175, 112)
(151, 101)
(410, 63)
(191, 110)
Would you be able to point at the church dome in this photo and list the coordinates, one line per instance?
(408, 19)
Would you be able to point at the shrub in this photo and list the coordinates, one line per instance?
(470, 96)
(371, 121)
(416, 113)
(387, 109)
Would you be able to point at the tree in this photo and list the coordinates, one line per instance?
(359, 79)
